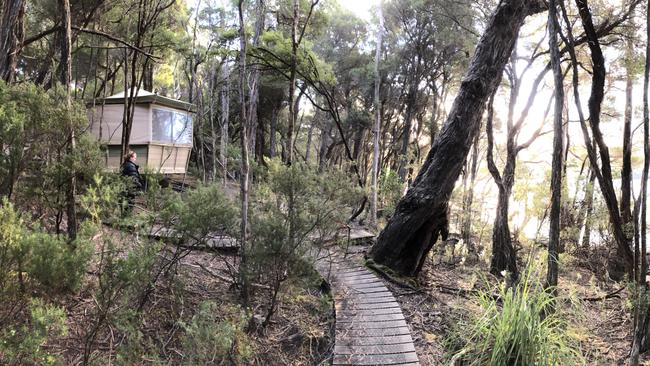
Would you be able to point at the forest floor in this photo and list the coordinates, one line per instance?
(299, 333)
(301, 330)
(444, 301)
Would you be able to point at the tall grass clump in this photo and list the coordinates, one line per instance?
(514, 326)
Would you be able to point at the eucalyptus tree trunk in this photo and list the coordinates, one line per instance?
(12, 34)
(584, 217)
(325, 137)
(225, 120)
(406, 134)
(420, 216)
(212, 117)
(504, 256)
(243, 135)
(310, 134)
(65, 68)
(468, 200)
(272, 131)
(503, 252)
(626, 171)
(293, 66)
(254, 83)
(557, 163)
(377, 124)
(641, 342)
(623, 261)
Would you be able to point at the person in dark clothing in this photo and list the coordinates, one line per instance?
(130, 170)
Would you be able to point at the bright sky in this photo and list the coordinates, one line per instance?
(361, 8)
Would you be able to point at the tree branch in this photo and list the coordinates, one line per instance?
(115, 39)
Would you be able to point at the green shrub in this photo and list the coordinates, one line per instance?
(390, 191)
(210, 341)
(12, 250)
(511, 330)
(56, 264)
(102, 200)
(24, 345)
(201, 211)
(35, 163)
(293, 207)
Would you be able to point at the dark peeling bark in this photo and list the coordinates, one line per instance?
(421, 213)
(12, 33)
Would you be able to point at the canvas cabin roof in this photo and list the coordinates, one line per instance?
(145, 96)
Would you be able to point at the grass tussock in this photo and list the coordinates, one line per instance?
(509, 329)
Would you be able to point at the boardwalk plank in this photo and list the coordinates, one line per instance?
(371, 325)
(370, 306)
(370, 312)
(373, 300)
(380, 332)
(373, 341)
(369, 318)
(367, 286)
(372, 290)
(386, 359)
(374, 349)
(360, 273)
(356, 279)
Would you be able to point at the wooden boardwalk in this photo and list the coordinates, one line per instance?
(370, 326)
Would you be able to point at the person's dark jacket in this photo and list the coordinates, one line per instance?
(130, 169)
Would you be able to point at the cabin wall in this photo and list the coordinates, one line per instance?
(113, 156)
(106, 124)
(168, 159)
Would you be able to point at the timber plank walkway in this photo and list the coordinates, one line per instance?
(370, 326)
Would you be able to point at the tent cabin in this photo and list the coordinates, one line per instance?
(161, 134)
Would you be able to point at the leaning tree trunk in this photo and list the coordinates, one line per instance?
(420, 214)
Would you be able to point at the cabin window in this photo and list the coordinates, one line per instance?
(171, 127)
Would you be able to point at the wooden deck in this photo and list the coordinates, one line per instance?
(214, 241)
(370, 326)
